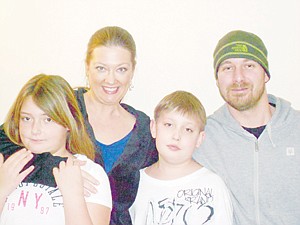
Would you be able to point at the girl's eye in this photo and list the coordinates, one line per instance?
(48, 120)
(25, 118)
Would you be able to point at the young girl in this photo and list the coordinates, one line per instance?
(46, 120)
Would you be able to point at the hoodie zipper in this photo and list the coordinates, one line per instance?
(256, 184)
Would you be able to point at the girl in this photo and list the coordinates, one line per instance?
(47, 121)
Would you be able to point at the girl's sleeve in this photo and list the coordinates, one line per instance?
(103, 196)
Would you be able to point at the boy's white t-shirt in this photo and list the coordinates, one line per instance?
(36, 204)
(198, 198)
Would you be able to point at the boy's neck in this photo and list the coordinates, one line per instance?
(165, 171)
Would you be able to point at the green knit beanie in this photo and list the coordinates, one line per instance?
(241, 44)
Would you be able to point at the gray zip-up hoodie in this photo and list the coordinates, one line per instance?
(263, 174)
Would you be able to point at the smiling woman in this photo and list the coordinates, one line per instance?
(120, 132)
(109, 72)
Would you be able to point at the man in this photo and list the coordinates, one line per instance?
(253, 140)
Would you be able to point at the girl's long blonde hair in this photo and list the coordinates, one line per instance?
(56, 98)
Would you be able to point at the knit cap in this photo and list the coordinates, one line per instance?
(241, 44)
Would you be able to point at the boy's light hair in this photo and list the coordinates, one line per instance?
(182, 102)
(56, 98)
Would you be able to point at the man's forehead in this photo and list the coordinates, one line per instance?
(233, 60)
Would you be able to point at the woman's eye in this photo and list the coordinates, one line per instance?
(100, 68)
(122, 69)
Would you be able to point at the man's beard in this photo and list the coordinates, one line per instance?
(243, 101)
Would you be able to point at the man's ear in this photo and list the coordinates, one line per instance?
(217, 83)
(153, 128)
(200, 138)
(267, 78)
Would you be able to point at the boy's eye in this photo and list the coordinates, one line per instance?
(189, 130)
(168, 124)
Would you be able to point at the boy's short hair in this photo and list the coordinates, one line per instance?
(183, 102)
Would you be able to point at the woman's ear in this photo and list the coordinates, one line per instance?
(153, 128)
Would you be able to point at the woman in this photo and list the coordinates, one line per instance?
(121, 133)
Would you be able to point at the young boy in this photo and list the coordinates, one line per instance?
(176, 189)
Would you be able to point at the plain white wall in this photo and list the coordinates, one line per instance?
(175, 41)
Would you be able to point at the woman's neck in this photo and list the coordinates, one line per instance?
(96, 107)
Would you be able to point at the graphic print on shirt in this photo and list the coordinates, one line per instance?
(183, 208)
(38, 198)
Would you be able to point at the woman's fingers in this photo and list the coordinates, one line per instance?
(89, 183)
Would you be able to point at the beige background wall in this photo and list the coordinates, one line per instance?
(175, 41)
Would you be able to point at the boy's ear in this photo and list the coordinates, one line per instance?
(153, 128)
(200, 138)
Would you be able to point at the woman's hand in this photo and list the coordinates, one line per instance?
(89, 182)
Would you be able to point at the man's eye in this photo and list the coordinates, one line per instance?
(226, 68)
(250, 66)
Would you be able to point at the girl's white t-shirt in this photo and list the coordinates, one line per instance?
(37, 204)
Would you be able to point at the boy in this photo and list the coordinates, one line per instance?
(176, 189)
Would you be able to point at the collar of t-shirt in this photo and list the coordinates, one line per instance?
(257, 131)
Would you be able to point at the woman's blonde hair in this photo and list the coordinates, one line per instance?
(111, 36)
(182, 102)
(56, 98)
